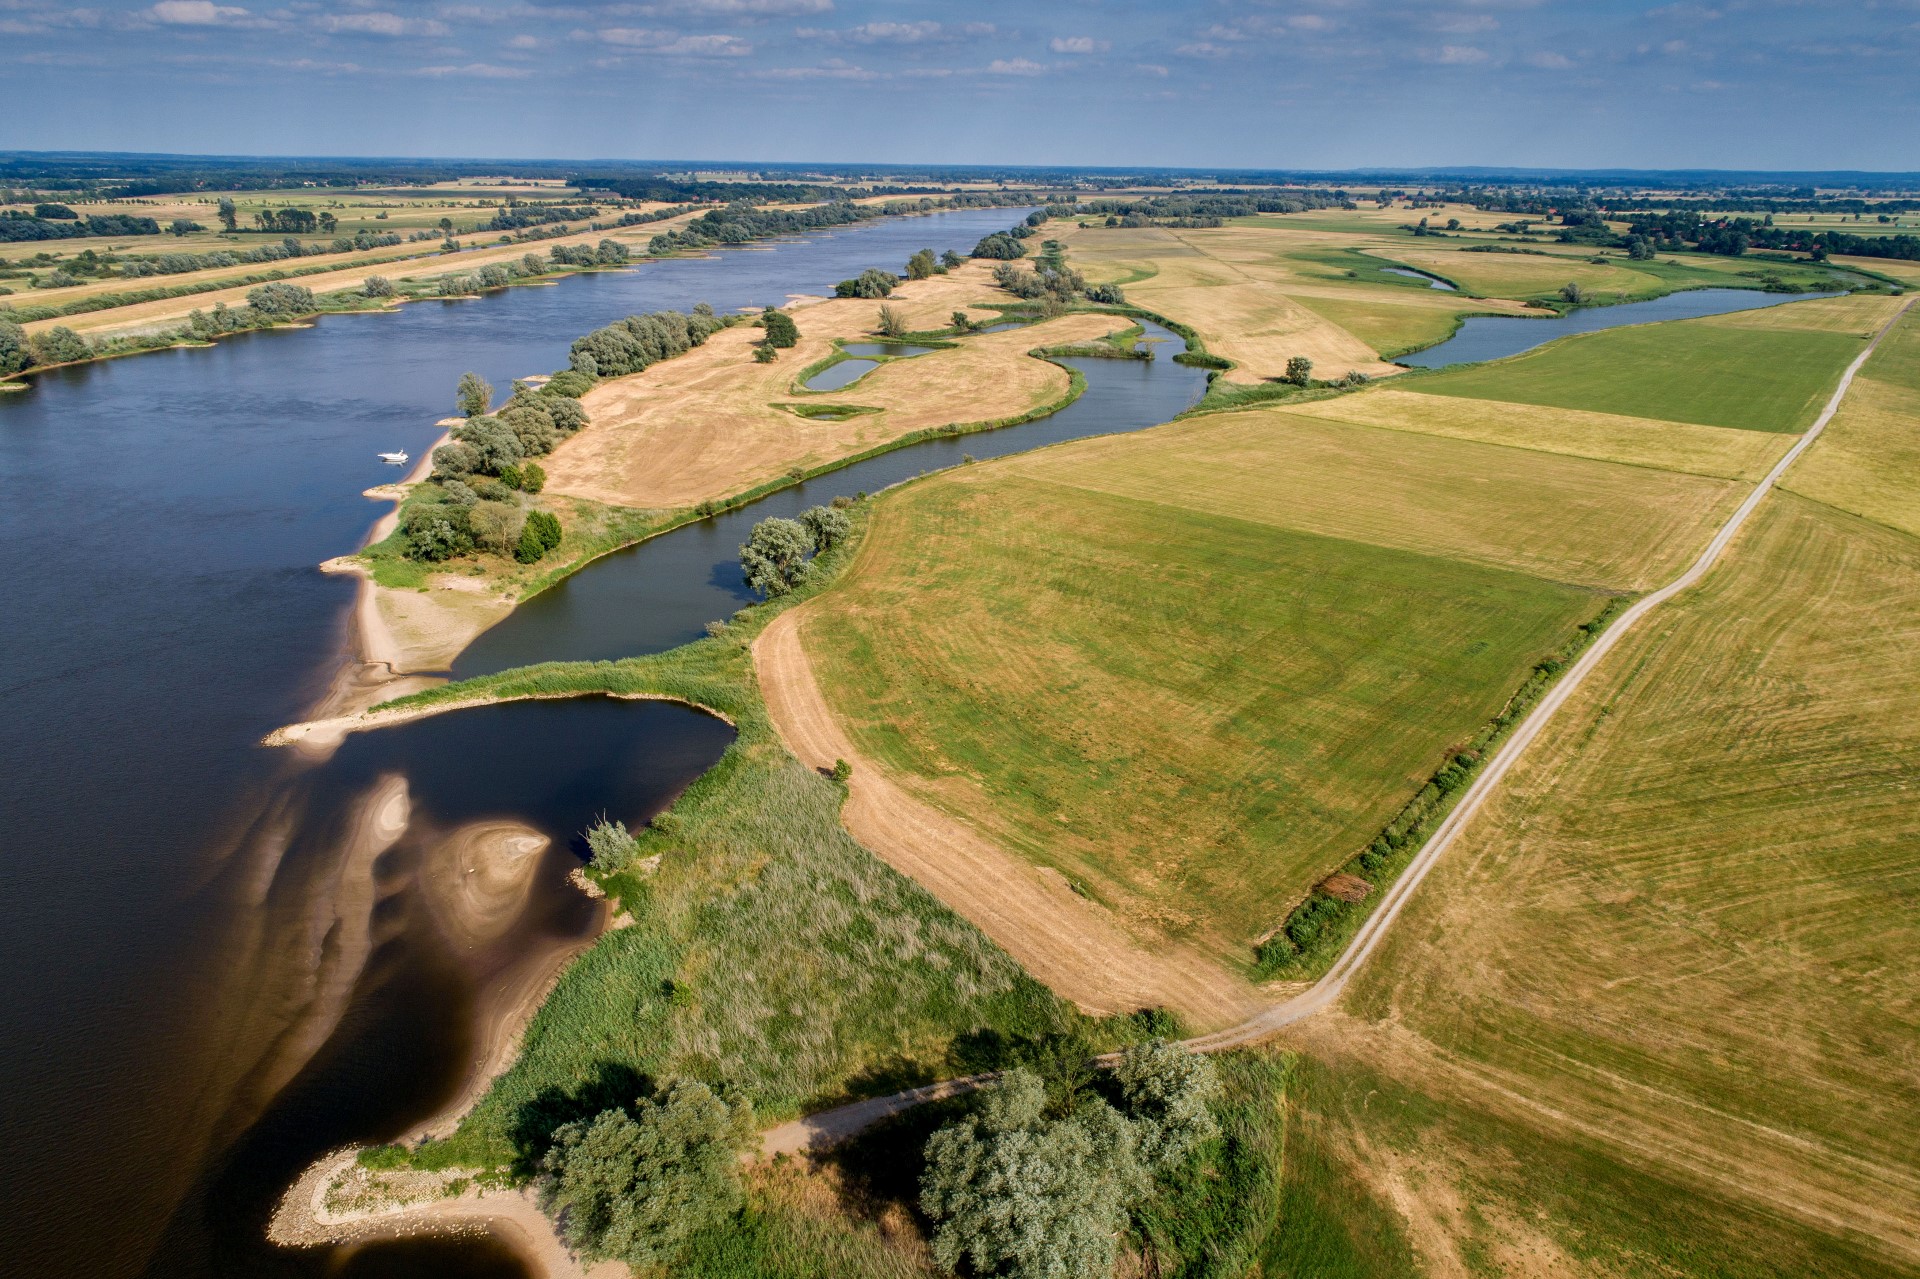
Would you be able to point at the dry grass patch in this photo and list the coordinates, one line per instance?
(1193, 717)
(1519, 275)
(1565, 518)
(1867, 461)
(707, 423)
(1609, 437)
(1686, 929)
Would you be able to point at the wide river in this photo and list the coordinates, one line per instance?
(221, 960)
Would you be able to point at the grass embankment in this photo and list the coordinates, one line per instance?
(1197, 699)
(770, 953)
(1707, 371)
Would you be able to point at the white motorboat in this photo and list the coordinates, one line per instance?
(396, 458)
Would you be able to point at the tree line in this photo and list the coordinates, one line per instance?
(17, 227)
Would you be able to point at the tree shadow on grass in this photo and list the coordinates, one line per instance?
(612, 1086)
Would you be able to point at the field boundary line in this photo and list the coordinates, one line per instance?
(827, 1126)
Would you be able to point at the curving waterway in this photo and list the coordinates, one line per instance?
(223, 960)
(1495, 337)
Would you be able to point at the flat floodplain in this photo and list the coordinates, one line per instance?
(1703, 371)
(1686, 930)
(1568, 519)
(1195, 717)
(1868, 459)
(1607, 437)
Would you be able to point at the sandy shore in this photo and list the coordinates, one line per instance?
(337, 1202)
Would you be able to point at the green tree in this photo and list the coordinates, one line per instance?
(376, 286)
(533, 478)
(496, 526)
(922, 265)
(60, 345)
(782, 332)
(764, 354)
(892, 323)
(962, 322)
(229, 216)
(15, 353)
(775, 555)
(611, 844)
(473, 396)
(826, 526)
(1014, 1193)
(1573, 293)
(540, 534)
(950, 260)
(1299, 370)
(634, 1187)
(281, 301)
(1168, 1091)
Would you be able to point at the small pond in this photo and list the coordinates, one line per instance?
(836, 376)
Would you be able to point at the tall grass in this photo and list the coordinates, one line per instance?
(770, 954)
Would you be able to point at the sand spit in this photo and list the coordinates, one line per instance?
(326, 734)
(336, 1201)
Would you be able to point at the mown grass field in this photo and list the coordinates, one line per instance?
(1567, 519)
(1686, 928)
(1608, 437)
(1868, 459)
(1193, 716)
(1685, 371)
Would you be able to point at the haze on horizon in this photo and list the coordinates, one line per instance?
(1746, 84)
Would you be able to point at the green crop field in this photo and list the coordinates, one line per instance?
(1193, 716)
(1568, 519)
(1681, 371)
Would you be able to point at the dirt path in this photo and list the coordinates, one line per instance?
(1065, 941)
(782, 665)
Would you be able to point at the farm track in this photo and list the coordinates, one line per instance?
(816, 1131)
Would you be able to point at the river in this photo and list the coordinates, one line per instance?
(222, 960)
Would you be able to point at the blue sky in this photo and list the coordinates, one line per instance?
(1809, 84)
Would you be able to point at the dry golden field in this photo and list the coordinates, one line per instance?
(1725, 452)
(711, 423)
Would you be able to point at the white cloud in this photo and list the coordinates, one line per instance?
(474, 71)
(894, 32)
(1460, 55)
(1203, 49)
(1152, 69)
(524, 42)
(673, 44)
(379, 24)
(197, 13)
(729, 8)
(1309, 22)
(1015, 66)
(832, 69)
(1549, 61)
(1078, 44)
(1465, 24)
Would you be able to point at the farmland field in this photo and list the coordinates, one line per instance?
(1704, 371)
(1193, 716)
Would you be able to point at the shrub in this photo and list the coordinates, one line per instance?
(437, 532)
(611, 844)
(892, 323)
(376, 286)
(842, 770)
(540, 534)
(1001, 246)
(1167, 1091)
(962, 323)
(281, 299)
(1299, 371)
(473, 395)
(496, 526)
(569, 384)
(636, 1186)
(922, 265)
(870, 283)
(826, 526)
(59, 345)
(1574, 294)
(533, 478)
(764, 354)
(774, 555)
(15, 352)
(950, 260)
(1016, 1194)
(782, 332)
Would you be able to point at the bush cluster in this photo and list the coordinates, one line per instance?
(640, 341)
